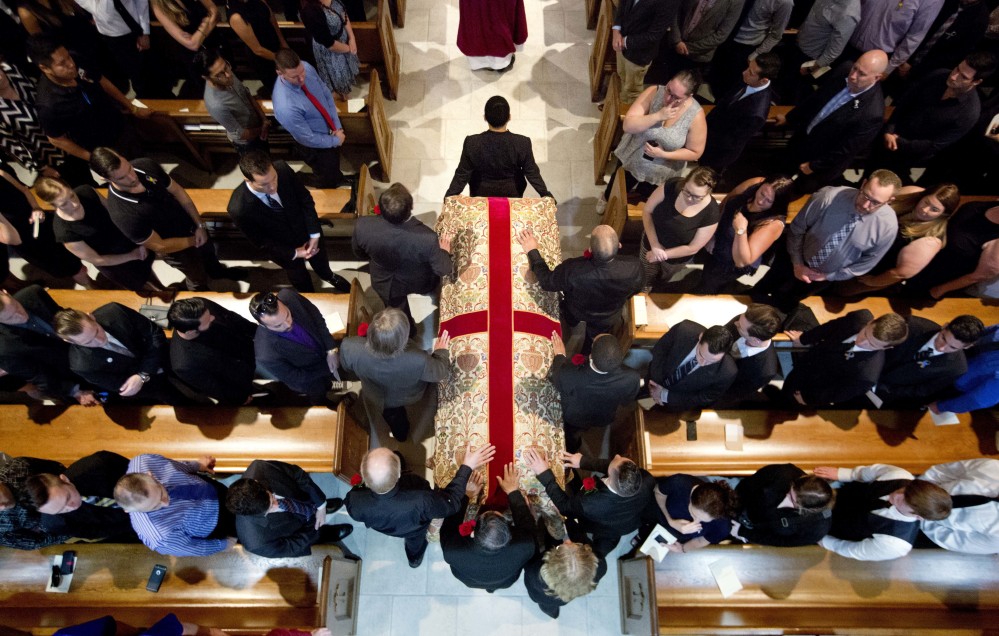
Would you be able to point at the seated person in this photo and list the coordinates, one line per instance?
(488, 553)
(753, 351)
(280, 512)
(593, 392)
(784, 506)
(690, 366)
(863, 527)
(973, 524)
(20, 524)
(978, 388)
(844, 359)
(695, 511)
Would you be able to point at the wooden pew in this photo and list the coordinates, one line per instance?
(317, 439)
(907, 439)
(592, 13)
(231, 590)
(603, 60)
(808, 590)
(609, 131)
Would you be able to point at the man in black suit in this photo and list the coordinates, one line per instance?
(31, 351)
(844, 358)
(610, 510)
(917, 371)
(280, 512)
(753, 352)
(275, 211)
(492, 555)
(294, 344)
(595, 287)
(212, 350)
(402, 504)
(119, 351)
(593, 392)
(690, 366)
(497, 163)
(740, 115)
(638, 29)
(406, 256)
(80, 502)
(955, 33)
(836, 123)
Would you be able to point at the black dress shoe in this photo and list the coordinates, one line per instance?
(335, 533)
(340, 284)
(235, 273)
(549, 610)
(415, 563)
(334, 504)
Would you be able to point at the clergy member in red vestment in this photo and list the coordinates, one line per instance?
(490, 31)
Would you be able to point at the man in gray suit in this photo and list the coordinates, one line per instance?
(699, 27)
(394, 373)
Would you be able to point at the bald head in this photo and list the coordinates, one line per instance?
(867, 70)
(604, 242)
(380, 470)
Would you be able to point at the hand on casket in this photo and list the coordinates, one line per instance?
(558, 347)
(510, 481)
(527, 241)
(535, 460)
(480, 457)
(474, 485)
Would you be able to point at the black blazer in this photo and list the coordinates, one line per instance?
(595, 291)
(590, 398)
(220, 362)
(94, 476)
(766, 524)
(490, 569)
(109, 370)
(33, 357)
(537, 588)
(847, 132)
(907, 383)
(276, 232)
(824, 374)
(731, 124)
(700, 388)
(644, 24)
(754, 372)
(302, 368)
(280, 534)
(407, 509)
(497, 164)
(405, 258)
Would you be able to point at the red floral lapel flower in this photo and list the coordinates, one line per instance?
(362, 329)
(466, 529)
(589, 485)
(587, 254)
(377, 211)
(356, 480)
(578, 359)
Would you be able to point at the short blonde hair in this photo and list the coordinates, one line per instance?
(569, 571)
(48, 188)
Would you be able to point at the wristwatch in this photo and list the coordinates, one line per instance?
(143, 376)
(740, 232)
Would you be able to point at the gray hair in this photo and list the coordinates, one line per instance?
(388, 333)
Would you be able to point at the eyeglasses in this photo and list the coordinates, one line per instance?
(267, 305)
(224, 72)
(694, 197)
(872, 201)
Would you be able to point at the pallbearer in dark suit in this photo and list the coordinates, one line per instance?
(564, 571)
(276, 212)
(593, 392)
(844, 358)
(497, 163)
(690, 366)
(490, 555)
(753, 351)
(917, 371)
(212, 350)
(608, 511)
(280, 512)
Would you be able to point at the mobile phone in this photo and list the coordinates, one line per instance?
(56, 576)
(68, 562)
(156, 578)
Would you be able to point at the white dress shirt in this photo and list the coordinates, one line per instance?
(972, 530)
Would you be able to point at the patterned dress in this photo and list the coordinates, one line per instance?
(21, 135)
(338, 70)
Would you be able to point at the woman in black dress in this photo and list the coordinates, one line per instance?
(191, 24)
(783, 506)
(255, 24)
(970, 256)
(695, 511)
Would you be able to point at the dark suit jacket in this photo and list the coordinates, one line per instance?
(907, 383)
(109, 370)
(754, 372)
(590, 398)
(715, 25)
(400, 380)
(700, 387)
(276, 232)
(95, 476)
(595, 291)
(302, 368)
(731, 124)
(280, 534)
(824, 374)
(220, 362)
(537, 589)
(602, 513)
(407, 509)
(845, 133)
(490, 569)
(497, 164)
(32, 357)
(644, 25)
(405, 258)
(963, 36)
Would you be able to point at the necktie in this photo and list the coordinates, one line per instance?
(120, 350)
(838, 100)
(680, 373)
(931, 41)
(739, 95)
(127, 18)
(299, 508)
(923, 354)
(272, 203)
(833, 242)
(100, 502)
(320, 108)
(969, 501)
(696, 16)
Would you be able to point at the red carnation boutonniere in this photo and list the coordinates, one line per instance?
(377, 211)
(587, 254)
(466, 529)
(589, 485)
(362, 329)
(356, 481)
(578, 359)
